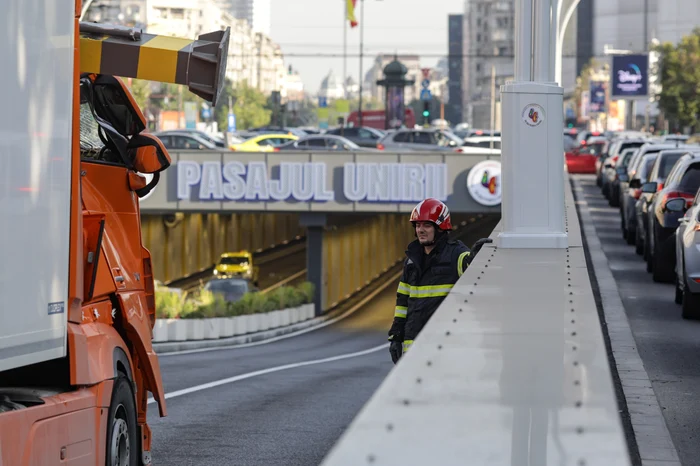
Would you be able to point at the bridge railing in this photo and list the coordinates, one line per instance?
(512, 369)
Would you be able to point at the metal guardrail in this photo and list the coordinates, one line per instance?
(511, 370)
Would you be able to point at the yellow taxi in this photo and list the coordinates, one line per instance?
(263, 143)
(236, 264)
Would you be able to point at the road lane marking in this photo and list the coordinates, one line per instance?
(198, 388)
(326, 323)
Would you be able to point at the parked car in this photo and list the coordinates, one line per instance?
(688, 259)
(618, 173)
(175, 140)
(582, 159)
(218, 142)
(265, 142)
(324, 142)
(662, 167)
(609, 160)
(419, 140)
(637, 174)
(230, 289)
(363, 136)
(485, 142)
(682, 183)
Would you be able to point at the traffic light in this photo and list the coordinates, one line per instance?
(426, 112)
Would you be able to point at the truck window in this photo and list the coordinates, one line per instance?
(92, 149)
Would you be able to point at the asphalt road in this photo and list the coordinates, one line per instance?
(287, 417)
(290, 417)
(668, 345)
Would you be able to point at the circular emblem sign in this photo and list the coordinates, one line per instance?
(533, 115)
(484, 182)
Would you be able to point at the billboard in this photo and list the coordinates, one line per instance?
(597, 96)
(325, 182)
(630, 76)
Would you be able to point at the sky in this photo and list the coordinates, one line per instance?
(305, 28)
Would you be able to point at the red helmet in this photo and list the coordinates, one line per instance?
(432, 210)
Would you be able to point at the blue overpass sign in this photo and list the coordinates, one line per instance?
(425, 95)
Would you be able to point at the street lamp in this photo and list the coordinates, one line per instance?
(560, 32)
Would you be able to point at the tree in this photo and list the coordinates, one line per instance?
(679, 77)
(249, 106)
(141, 90)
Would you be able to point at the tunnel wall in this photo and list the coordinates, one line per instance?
(357, 253)
(186, 243)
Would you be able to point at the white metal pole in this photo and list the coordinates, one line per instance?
(553, 37)
(493, 103)
(560, 40)
(532, 170)
(345, 48)
(523, 40)
(541, 49)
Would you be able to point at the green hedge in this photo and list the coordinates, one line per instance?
(205, 304)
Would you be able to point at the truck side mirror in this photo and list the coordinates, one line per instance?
(148, 156)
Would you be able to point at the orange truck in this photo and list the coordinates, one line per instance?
(76, 282)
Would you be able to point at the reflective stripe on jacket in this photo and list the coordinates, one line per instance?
(425, 282)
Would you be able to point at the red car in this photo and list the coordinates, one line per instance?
(582, 159)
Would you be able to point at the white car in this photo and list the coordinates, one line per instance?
(688, 259)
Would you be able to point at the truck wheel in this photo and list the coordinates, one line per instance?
(122, 439)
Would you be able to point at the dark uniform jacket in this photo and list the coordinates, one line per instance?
(425, 282)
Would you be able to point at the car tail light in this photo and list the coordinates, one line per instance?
(637, 193)
(659, 187)
(675, 195)
(275, 149)
(613, 161)
(380, 146)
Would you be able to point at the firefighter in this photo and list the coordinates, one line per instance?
(432, 266)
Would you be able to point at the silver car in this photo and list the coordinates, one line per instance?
(419, 140)
(688, 258)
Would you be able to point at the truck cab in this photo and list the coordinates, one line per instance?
(77, 366)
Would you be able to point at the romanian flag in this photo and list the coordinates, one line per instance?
(351, 12)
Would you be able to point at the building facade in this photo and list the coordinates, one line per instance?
(257, 13)
(488, 56)
(455, 69)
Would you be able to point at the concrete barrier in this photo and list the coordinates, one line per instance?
(172, 330)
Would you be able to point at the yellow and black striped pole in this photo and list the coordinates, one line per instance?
(117, 51)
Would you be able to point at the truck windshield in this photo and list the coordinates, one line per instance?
(90, 142)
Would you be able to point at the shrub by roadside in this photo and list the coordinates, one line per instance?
(205, 304)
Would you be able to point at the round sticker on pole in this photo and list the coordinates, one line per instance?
(484, 182)
(533, 115)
